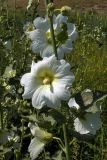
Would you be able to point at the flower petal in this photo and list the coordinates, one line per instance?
(47, 52)
(39, 40)
(61, 19)
(90, 125)
(30, 84)
(61, 91)
(35, 148)
(38, 98)
(41, 23)
(72, 33)
(45, 96)
(72, 103)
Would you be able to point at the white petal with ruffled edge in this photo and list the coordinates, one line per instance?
(90, 125)
(72, 33)
(41, 23)
(45, 96)
(38, 40)
(61, 19)
(72, 103)
(35, 148)
(30, 85)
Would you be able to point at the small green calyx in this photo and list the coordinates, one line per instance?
(62, 36)
(63, 26)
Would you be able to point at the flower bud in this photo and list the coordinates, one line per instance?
(65, 10)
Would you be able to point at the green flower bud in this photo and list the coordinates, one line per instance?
(65, 10)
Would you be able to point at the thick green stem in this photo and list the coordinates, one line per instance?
(66, 142)
(53, 36)
(52, 29)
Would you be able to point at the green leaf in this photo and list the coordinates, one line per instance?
(57, 116)
(3, 137)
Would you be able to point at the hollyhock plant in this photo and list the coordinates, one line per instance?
(48, 82)
(41, 138)
(90, 122)
(65, 34)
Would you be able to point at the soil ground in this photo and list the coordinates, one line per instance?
(98, 5)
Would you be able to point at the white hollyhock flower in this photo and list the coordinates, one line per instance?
(48, 82)
(37, 144)
(65, 34)
(90, 122)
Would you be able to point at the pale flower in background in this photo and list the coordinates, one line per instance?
(41, 138)
(65, 34)
(48, 82)
(89, 122)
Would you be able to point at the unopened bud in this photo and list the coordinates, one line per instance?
(65, 10)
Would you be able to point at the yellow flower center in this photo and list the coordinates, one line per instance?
(47, 80)
(30, 28)
(46, 76)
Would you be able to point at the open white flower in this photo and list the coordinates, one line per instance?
(90, 122)
(65, 34)
(48, 82)
(41, 138)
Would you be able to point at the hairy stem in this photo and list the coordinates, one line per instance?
(66, 142)
(53, 36)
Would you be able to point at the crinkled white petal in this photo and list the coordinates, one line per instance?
(37, 35)
(67, 46)
(90, 125)
(35, 148)
(61, 19)
(38, 40)
(38, 98)
(60, 53)
(45, 96)
(61, 91)
(72, 33)
(30, 84)
(49, 64)
(41, 23)
(47, 52)
(64, 70)
(72, 103)
(33, 128)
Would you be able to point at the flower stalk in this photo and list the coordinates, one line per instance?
(53, 36)
(66, 142)
(50, 11)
